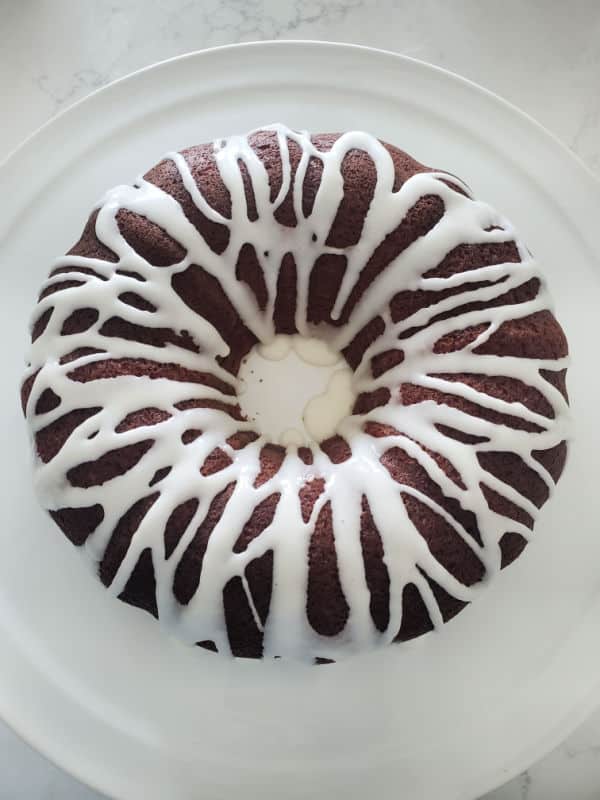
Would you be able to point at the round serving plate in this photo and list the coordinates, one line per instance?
(94, 685)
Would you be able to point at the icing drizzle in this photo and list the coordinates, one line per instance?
(142, 294)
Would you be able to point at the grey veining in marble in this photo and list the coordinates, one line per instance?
(543, 55)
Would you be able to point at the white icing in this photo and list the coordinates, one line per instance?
(324, 413)
(316, 352)
(287, 631)
(277, 349)
(292, 437)
(295, 390)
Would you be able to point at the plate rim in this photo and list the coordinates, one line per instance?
(584, 708)
(320, 44)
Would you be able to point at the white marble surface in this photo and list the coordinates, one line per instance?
(543, 55)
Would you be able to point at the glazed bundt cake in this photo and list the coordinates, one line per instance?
(378, 534)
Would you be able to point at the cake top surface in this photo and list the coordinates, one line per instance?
(433, 301)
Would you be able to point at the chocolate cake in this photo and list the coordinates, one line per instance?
(382, 532)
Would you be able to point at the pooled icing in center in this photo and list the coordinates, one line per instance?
(296, 390)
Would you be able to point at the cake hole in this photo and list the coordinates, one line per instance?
(296, 390)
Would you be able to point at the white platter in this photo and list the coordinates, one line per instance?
(94, 685)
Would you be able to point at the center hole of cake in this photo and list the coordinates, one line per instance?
(295, 389)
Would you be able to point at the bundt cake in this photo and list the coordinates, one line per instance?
(378, 534)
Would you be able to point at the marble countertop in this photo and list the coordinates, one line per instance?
(543, 55)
